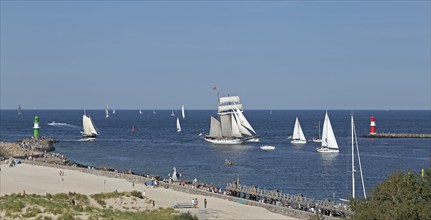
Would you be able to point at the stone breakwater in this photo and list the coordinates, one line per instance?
(393, 135)
(27, 147)
(186, 188)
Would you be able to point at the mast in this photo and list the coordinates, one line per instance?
(353, 158)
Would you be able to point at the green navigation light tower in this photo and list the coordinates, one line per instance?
(36, 127)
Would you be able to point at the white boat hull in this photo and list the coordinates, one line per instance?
(326, 150)
(267, 147)
(228, 141)
(316, 140)
(253, 139)
(298, 141)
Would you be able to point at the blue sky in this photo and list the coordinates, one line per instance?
(160, 55)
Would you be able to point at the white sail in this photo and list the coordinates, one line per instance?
(178, 125)
(226, 125)
(223, 108)
(215, 129)
(243, 121)
(297, 131)
(242, 129)
(172, 114)
(328, 136)
(229, 99)
(113, 111)
(106, 112)
(140, 112)
(235, 128)
(19, 110)
(88, 126)
(182, 111)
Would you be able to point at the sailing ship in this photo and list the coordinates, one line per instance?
(298, 136)
(173, 114)
(19, 110)
(318, 139)
(232, 126)
(106, 112)
(355, 143)
(182, 111)
(89, 129)
(329, 142)
(178, 125)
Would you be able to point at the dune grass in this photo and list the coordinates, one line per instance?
(64, 206)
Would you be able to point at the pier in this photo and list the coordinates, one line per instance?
(394, 135)
(279, 199)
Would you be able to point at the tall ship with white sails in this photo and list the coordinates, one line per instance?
(89, 129)
(329, 142)
(298, 136)
(232, 127)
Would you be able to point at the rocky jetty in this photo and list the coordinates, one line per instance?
(27, 147)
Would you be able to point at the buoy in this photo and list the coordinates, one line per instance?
(373, 125)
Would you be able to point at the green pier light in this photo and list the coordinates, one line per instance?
(36, 127)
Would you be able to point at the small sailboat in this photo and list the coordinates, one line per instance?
(329, 142)
(19, 110)
(113, 111)
(89, 129)
(154, 112)
(318, 139)
(270, 112)
(298, 136)
(173, 114)
(267, 147)
(140, 112)
(106, 112)
(178, 125)
(182, 111)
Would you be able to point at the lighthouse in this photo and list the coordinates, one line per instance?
(36, 127)
(373, 125)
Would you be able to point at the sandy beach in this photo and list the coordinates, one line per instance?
(42, 180)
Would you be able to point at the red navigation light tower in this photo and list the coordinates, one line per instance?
(373, 125)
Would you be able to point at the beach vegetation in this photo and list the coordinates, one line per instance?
(403, 195)
(137, 194)
(59, 206)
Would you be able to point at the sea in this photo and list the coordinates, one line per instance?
(156, 147)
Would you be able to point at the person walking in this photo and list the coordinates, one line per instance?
(205, 203)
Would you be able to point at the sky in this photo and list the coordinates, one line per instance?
(164, 54)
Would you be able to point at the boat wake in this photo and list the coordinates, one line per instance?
(61, 124)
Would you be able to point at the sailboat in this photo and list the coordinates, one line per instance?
(182, 111)
(154, 112)
(173, 114)
(113, 111)
(233, 127)
(318, 139)
(89, 128)
(178, 125)
(19, 110)
(140, 112)
(355, 143)
(106, 112)
(298, 136)
(329, 142)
